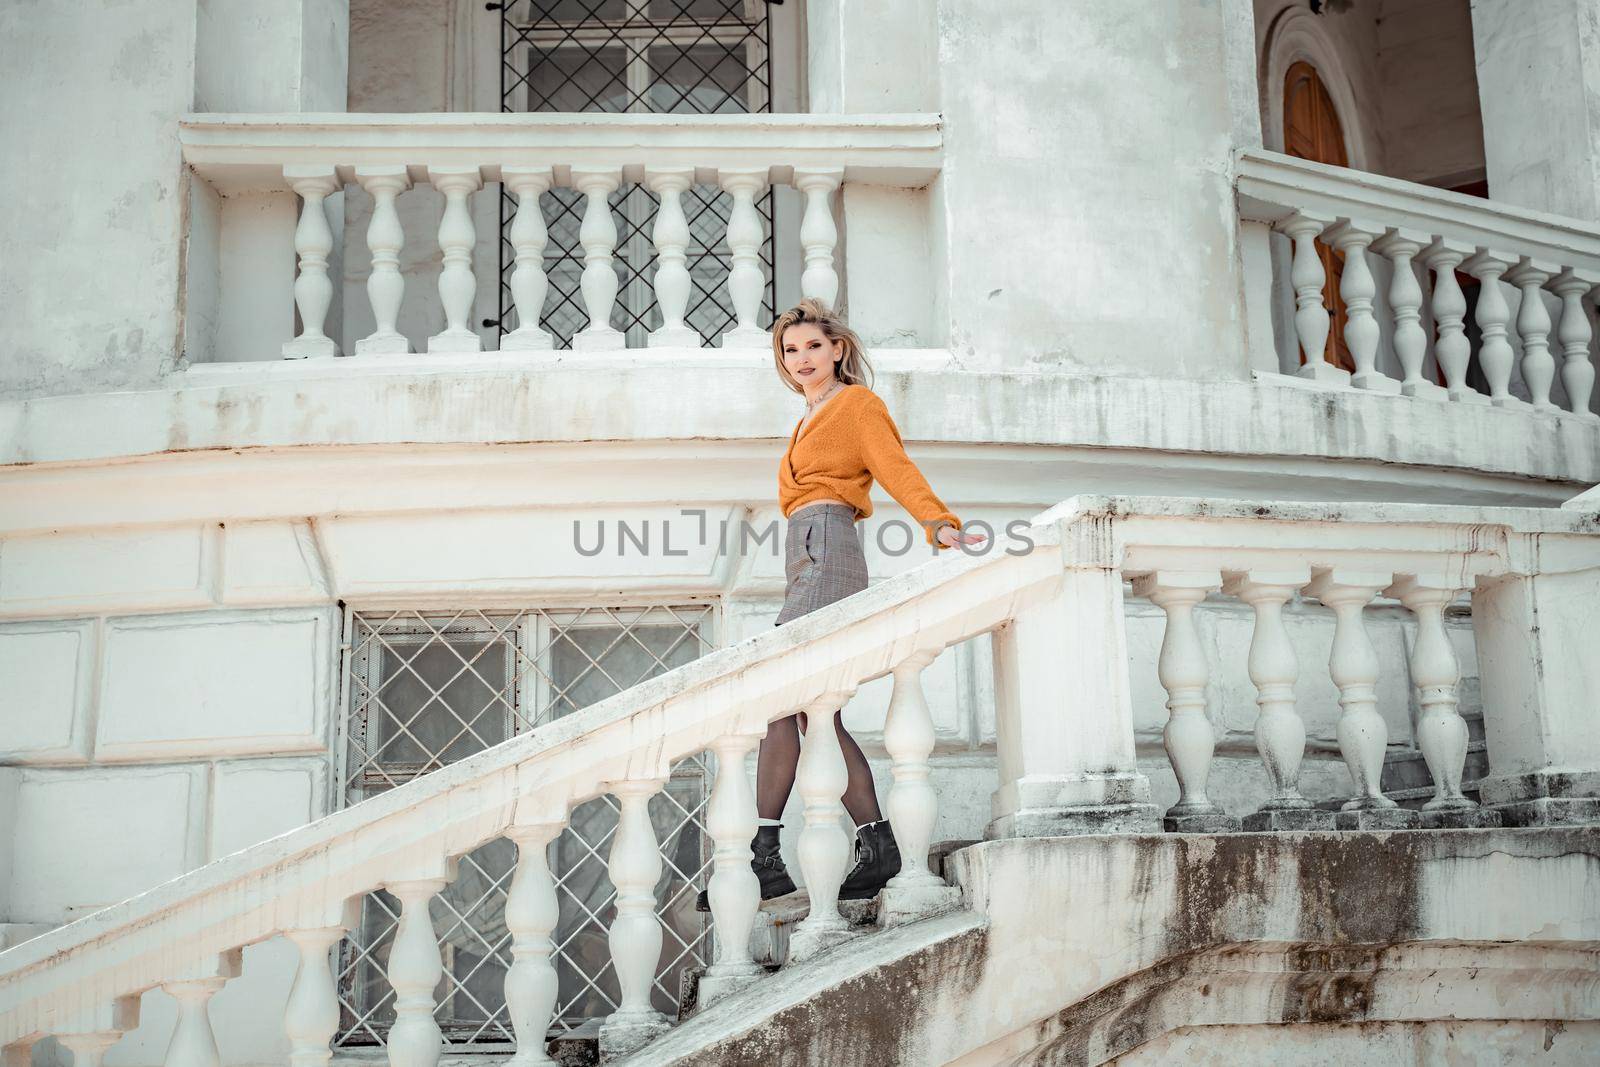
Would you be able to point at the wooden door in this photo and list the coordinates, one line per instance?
(1311, 130)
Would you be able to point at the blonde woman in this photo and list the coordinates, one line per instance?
(845, 440)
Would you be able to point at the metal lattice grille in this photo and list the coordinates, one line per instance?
(679, 56)
(426, 689)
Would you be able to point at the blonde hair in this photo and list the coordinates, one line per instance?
(852, 367)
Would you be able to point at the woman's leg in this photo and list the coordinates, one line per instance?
(780, 754)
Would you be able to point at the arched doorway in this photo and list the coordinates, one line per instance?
(1311, 130)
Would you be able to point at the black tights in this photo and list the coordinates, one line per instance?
(780, 755)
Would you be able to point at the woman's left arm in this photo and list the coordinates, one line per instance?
(884, 454)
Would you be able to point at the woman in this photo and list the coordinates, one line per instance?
(845, 440)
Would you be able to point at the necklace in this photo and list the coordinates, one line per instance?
(811, 405)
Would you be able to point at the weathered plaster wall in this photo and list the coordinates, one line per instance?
(94, 90)
(1089, 222)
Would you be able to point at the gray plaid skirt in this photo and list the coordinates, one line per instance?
(823, 561)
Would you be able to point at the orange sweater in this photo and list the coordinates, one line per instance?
(849, 441)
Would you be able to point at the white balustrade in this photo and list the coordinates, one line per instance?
(386, 286)
(734, 890)
(531, 914)
(598, 236)
(1493, 315)
(1188, 737)
(311, 1017)
(818, 234)
(746, 282)
(1574, 333)
(528, 238)
(193, 1043)
(313, 242)
(909, 737)
(673, 285)
(458, 286)
(635, 935)
(1311, 314)
(821, 778)
(1400, 247)
(89, 1049)
(1353, 665)
(1280, 732)
(415, 967)
(1409, 223)
(1357, 289)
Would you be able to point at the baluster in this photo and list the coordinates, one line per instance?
(1574, 333)
(598, 236)
(313, 242)
(1441, 731)
(1452, 350)
(415, 967)
(1493, 316)
(386, 286)
(1308, 278)
(1405, 299)
(1363, 735)
(1533, 329)
(671, 236)
(1188, 737)
(635, 935)
(531, 913)
(89, 1049)
(746, 282)
(821, 778)
(528, 237)
(457, 284)
(1357, 288)
(734, 891)
(819, 236)
(1280, 733)
(193, 1044)
(312, 1015)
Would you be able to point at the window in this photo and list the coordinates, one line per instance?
(675, 56)
(423, 690)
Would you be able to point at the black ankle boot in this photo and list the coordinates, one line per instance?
(877, 861)
(767, 862)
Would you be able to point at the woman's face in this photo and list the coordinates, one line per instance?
(808, 355)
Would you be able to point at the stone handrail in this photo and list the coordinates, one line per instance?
(1053, 601)
(1409, 225)
(529, 154)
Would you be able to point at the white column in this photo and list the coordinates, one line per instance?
(1353, 665)
(1533, 330)
(746, 282)
(531, 914)
(1063, 710)
(311, 1016)
(1311, 315)
(821, 778)
(1357, 288)
(673, 286)
(89, 1049)
(1493, 315)
(458, 286)
(1574, 333)
(734, 891)
(193, 1044)
(1452, 349)
(819, 235)
(386, 286)
(1441, 732)
(1405, 300)
(313, 242)
(1188, 738)
(1280, 732)
(415, 967)
(528, 237)
(598, 236)
(635, 935)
